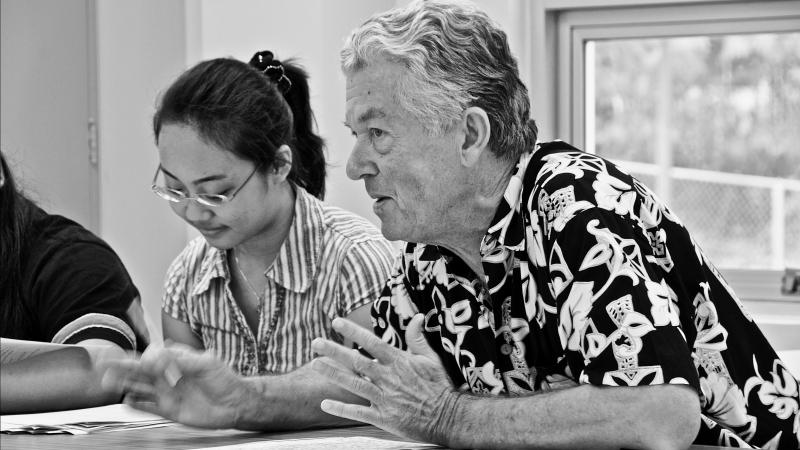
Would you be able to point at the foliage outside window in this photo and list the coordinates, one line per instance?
(713, 123)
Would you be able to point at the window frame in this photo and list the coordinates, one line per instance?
(574, 28)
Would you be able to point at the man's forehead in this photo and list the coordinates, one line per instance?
(371, 90)
(368, 102)
(380, 78)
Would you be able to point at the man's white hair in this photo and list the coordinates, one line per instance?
(456, 57)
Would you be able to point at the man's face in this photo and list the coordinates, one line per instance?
(412, 176)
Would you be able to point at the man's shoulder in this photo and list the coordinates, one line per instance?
(557, 164)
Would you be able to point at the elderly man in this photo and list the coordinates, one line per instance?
(545, 298)
(528, 266)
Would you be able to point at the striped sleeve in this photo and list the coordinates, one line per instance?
(175, 286)
(364, 272)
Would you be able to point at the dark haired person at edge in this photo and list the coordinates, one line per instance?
(60, 283)
(545, 298)
(274, 265)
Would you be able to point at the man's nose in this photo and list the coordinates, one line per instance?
(359, 163)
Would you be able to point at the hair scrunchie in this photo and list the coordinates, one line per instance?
(265, 62)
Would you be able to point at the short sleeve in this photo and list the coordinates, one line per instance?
(363, 272)
(173, 302)
(81, 290)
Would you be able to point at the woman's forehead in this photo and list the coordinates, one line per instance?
(184, 154)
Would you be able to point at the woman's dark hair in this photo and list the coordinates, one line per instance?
(14, 236)
(241, 108)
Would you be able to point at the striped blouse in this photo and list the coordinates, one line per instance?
(331, 263)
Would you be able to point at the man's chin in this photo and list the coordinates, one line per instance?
(392, 233)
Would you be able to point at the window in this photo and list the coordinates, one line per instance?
(702, 103)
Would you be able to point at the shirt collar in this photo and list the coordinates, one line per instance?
(296, 263)
(214, 265)
(507, 228)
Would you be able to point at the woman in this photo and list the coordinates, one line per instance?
(59, 283)
(240, 162)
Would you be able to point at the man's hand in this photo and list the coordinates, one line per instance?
(181, 384)
(410, 393)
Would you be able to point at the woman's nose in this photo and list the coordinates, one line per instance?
(192, 211)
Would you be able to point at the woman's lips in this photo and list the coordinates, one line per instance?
(210, 231)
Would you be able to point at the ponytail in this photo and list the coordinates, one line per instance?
(309, 169)
(308, 146)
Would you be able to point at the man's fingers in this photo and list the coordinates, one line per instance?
(118, 375)
(128, 383)
(172, 363)
(124, 373)
(384, 352)
(145, 404)
(190, 360)
(348, 411)
(358, 385)
(104, 360)
(104, 355)
(415, 339)
(155, 359)
(181, 358)
(349, 358)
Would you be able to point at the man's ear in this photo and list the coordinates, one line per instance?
(477, 130)
(283, 162)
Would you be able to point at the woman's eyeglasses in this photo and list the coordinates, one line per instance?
(176, 196)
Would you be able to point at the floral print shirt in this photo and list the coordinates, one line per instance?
(590, 278)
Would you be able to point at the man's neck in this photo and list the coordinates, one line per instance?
(489, 183)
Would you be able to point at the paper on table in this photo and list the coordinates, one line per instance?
(328, 443)
(81, 421)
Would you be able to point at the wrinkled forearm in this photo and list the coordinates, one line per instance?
(57, 380)
(289, 402)
(653, 417)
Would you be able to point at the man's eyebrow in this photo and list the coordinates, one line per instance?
(198, 181)
(369, 114)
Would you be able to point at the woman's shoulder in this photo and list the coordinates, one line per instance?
(350, 225)
(192, 256)
(336, 221)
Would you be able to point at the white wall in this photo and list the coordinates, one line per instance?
(46, 100)
(140, 49)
